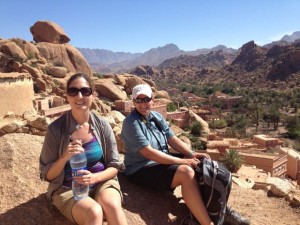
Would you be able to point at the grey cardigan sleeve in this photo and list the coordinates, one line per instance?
(49, 153)
(111, 150)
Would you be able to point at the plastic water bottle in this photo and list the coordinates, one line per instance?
(78, 162)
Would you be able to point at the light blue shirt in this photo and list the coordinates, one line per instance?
(137, 134)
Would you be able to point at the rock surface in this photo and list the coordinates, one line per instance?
(23, 195)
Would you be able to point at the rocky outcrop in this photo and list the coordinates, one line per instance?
(47, 31)
(205, 126)
(64, 55)
(47, 63)
(251, 56)
(108, 89)
(128, 81)
(286, 62)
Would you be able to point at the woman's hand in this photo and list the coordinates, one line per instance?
(73, 148)
(193, 162)
(201, 155)
(86, 177)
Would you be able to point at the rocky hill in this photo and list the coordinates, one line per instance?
(105, 61)
(274, 67)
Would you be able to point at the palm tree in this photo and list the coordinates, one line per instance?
(232, 160)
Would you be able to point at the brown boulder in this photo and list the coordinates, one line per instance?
(31, 50)
(129, 81)
(65, 55)
(108, 89)
(47, 31)
(162, 94)
(13, 50)
(57, 71)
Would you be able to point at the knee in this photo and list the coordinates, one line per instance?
(185, 172)
(112, 205)
(95, 213)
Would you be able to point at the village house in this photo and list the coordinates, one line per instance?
(179, 118)
(11, 85)
(293, 162)
(51, 106)
(267, 141)
(226, 100)
(275, 164)
(253, 154)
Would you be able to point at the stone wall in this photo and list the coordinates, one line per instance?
(17, 93)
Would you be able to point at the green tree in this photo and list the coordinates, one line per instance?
(293, 127)
(171, 107)
(232, 160)
(196, 128)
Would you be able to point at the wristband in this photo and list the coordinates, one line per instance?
(191, 154)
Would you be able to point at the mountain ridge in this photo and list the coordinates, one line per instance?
(106, 61)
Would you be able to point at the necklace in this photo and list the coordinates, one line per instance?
(78, 126)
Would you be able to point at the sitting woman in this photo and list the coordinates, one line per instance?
(77, 131)
(146, 136)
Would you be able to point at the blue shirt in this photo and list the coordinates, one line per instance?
(137, 134)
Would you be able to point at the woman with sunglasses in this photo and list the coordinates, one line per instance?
(77, 131)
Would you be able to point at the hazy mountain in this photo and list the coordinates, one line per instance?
(105, 61)
(285, 40)
(102, 56)
(214, 49)
(291, 38)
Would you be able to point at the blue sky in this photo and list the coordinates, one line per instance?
(139, 25)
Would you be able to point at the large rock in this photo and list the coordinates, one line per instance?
(280, 187)
(15, 51)
(47, 31)
(204, 124)
(162, 94)
(64, 55)
(107, 89)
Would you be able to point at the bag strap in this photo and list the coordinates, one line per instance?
(158, 125)
(215, 171)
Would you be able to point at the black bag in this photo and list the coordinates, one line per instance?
(215, 185)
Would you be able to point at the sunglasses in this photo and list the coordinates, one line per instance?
(85, 91)
(140, 100)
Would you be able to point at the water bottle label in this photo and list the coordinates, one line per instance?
(75, 171)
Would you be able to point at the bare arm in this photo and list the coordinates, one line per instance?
(181, 147)
(163, 158)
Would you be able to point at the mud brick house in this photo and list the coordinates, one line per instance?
(276, 165)
(266, 141)
(18, 91)
(293, 162)
(179, 118)
(51, 106)
(227, 101)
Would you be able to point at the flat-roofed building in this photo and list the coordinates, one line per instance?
(276, 165)
(221, 145)
(293, 162)
(266, 141)
(213, 153)
(179, 118)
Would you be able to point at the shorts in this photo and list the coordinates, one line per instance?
(64, 201)
(156, 177)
